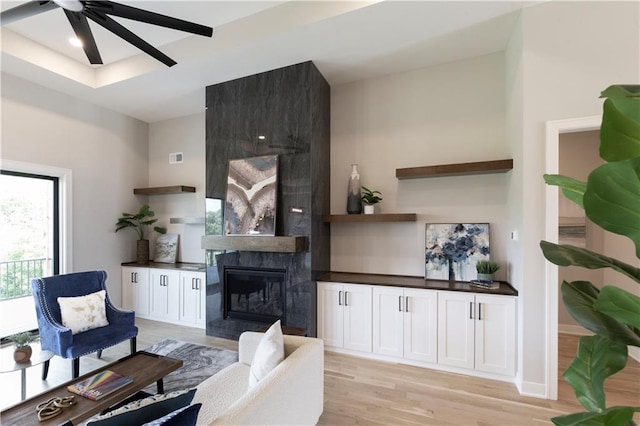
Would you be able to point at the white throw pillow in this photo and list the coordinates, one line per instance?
(83, 313)
(269, 353)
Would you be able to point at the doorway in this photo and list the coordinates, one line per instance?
(553, 131)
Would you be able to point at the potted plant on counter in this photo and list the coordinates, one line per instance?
(21, 343)
(486, 269)
(141, 222)
(370, 199)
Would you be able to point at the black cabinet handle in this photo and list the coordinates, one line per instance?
(406, 303)
(470, 310)
(340, 298)
(399, 303)
(479, 311)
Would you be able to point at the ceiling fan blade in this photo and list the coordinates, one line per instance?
(129, 12)
(111, 25)
(25, 11)
(81, 27)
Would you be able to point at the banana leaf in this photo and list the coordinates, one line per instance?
(620, 129)
(622, 416)
(612, 198)
(620, 304)
(572, 189)
(579, 298)
(567, 255)
(597, 358)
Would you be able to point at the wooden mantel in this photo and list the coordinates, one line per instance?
(263, 243)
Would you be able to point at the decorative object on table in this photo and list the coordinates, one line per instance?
(54, 406)
(141, 222)
(486, 269)
(370, 199)
(99, 385)
(453, 249)
(610, 200)
(250, 205)
(21, 343)
(166, 248)
(354, 197)
(493, 285)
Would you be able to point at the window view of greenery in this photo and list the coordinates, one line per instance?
(26, 246)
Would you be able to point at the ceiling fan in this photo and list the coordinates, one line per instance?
(78, 11)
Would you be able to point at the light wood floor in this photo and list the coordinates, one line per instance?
(359, 391)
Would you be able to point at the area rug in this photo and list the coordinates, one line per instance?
(199, 363)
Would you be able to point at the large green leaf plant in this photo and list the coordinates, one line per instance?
(611, 200)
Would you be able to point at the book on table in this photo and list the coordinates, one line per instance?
(493, 285)
(99, 385)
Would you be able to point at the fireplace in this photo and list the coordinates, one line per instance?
(254, 294)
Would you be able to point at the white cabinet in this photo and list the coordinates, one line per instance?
(135, 290)
(164, 294)
(477, 331)
(192, 298)
(345, 315)
(169, 295)
(405, 323)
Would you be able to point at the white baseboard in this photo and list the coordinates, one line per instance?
(536, 390)
(634, 351)
(573, 329)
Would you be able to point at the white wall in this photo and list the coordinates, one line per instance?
(106, 152)
(186, 135)
(452, 113)
(563, 55)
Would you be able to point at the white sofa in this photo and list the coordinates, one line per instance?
(291, 394)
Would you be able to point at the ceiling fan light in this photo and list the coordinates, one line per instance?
(72, 5)
(75, 41)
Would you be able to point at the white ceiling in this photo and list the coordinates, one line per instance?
(347, 40)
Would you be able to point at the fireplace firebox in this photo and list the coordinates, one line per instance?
(254, 294)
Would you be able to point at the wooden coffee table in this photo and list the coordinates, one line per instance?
(144, 367)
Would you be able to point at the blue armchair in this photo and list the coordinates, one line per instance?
(57, 338)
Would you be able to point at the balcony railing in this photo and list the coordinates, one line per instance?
(15, 276)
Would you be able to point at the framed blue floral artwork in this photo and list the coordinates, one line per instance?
(453, 249)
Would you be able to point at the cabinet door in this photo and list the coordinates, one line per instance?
(357, 317)
(135, 290)
(456, 329)
(388, 318)
(420, 325)
(191, 294)
(331, 314)
(495, 334)
(165, 294)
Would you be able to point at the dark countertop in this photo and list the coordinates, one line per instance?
(414, 282)
(182, 266)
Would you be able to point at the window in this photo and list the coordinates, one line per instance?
(31, 244)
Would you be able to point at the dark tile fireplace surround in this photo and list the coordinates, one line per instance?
(290, 108)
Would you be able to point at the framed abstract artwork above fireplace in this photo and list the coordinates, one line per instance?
(250, 203)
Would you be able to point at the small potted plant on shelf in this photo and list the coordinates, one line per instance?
(141, 223)
(21, 343)
(486, 269)
(370, 199)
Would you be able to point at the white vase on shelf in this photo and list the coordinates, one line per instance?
(369, 208)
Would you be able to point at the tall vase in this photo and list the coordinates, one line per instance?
(354, 201)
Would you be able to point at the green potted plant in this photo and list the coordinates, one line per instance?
(21, 343)
(486, 269)
(611, 200)
(142, 223)
(370, 199)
